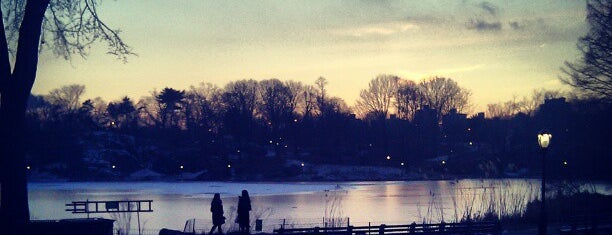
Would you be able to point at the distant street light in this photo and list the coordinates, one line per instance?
(229, 166)
(388, 157)
(113, 166)
(543, 140)
(181, 167)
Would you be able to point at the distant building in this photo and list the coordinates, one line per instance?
(553, 113)
(428, 132)
(476, 128)
(454, 128)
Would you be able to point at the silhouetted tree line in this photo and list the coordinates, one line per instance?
(28, 28)
(250, 128)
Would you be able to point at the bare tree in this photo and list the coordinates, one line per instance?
(240, 100)
(296, 100)
(443, 94)
(275, 105)
(201, 106)
(378, 98)
(320, 83)
(149, 110)
(99, 109)
(241, 96)
(67, 97)
(592, 74)
(310, 100)
(525, 105)
(408, 99)
(27, 27)
(275, 102)
(500, 110)
(337, 105)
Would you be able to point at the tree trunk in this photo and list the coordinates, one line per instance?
(16, 88)
(14, 212)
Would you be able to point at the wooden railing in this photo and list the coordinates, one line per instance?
(124, 206)
(92, 207)
(588, 224)
(414, 228)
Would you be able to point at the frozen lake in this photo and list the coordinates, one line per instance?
(297, 204)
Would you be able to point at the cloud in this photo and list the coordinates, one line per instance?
(487, 21)
(516, 25)
(538, 24)
(483, 25)
(382, 29)
(410, 74)
(489, 8)
(459, 69)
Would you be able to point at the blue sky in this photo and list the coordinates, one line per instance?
(497, 49)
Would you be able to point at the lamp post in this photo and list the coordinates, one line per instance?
(543, 140)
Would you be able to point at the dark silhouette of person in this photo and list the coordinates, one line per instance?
(244, 206)
(216, 207)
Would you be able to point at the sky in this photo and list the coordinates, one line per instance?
(496, 49)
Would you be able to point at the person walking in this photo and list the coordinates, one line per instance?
(216, 207)
(244, 206)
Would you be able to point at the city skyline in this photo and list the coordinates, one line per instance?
(495, 49)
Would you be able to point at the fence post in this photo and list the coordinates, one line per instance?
(442, 224)
(412, 227)
(497, 227)
(381, 229)
(595, 224)
(469, 225)
(349, 230)
(258, 225)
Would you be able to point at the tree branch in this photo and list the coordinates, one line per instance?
(5, 64)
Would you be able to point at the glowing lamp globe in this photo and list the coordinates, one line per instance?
(544, 139)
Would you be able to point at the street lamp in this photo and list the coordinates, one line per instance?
(543, 140)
